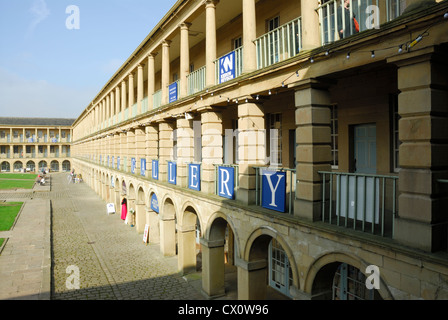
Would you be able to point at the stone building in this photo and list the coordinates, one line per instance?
(34, 144)
(299, 145)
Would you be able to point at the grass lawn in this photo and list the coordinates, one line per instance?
(1, 241)
(24, 176)
(16, 184)
(8, 214)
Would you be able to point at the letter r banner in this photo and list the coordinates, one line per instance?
(273, 190)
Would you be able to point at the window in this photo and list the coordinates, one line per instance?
(2, 134)
(238, 42)
(191, 67)
(334, 137)
(275, 138)
(273, 24)
(350, 284)
(280, 274)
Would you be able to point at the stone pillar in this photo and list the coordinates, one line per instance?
(185, 149)
(310, 19)
(186, 240)
(152, 146)
(123, 99)
(184, 58)
(210, 41)
(117, 104)
(313, 149)
(165, 70)
(249, 36)
(423, 130)
(113, 112)
(167, 236)
(213, 268)
(151, 80)
(212, 148)
(130, 135)
(251, 148)
(107, 113)
(252, 279)
(123, 150)
(165, 148)
(140, 148)
(131, 94)
(139, 88)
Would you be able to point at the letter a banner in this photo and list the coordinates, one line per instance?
(274, 190)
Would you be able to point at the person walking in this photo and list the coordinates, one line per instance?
(124, 209)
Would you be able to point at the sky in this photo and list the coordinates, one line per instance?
(56, 55)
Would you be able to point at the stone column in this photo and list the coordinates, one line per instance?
(251, 147)
(185, 149)
(165, 147)
(184, 58)
(152, 146)
(249, 36)
(140, 147)
(252, 279)
(117, 104)
(310, 19)
(131, 94)
(123, 98)
(423, 130)
(213, 267)
(212, 148)
(313, 149)
(186, 260)
(112, 108)
(123, 150)
(130, 135)
(165, 70)
(151, 80)
(139, 88)
(210, 41)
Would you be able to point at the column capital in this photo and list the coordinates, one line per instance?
(184, 25)
(152, 55)
(209, 3)
(166, 43)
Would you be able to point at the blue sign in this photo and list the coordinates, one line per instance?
(155, 169)
(143, 167)
(118, 163)
(133, 163)
(112, 162)
(108, 161)
(194, 176)
(226, 182)
(273, 190)
(172, 92)
(172, 166)
(227, 67)
(154, 203)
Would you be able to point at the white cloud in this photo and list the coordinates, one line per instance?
(40, 12)
(20, 97)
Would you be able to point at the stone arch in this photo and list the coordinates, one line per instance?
(18, 166)
(5, 166)
(66, 166)
(152, 217)
(255, 263)
(31, 165)
(42, 165)
(319, 277)
(189, 233)
(54, 166)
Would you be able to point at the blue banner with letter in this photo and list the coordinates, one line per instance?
(194, 176)
(172, 92)
(155, 169)
(154, 203)
(274, 190)
(226, 182)
(133, 163)
(172, 174)
(118, 163)
(143, 167)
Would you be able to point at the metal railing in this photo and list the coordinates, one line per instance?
(333, 20)
(196, 80)
(157, 99)
(279, 44)
(365, 202)
(290, 185)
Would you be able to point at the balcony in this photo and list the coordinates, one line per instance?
(364, 202)
(236, 60)
(279, 44)
(333, 27)
(196, 81)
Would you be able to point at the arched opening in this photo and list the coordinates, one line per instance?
(66, 166)
(189, 235)
(6, 167)
(31, 166)
(140, 211)
(18, 166)
(153, 219)
(54, 166)
(43, 165)
(168, 236)
(268, 273)
(219, 254)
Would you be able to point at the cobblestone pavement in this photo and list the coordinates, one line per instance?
(112, 260)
